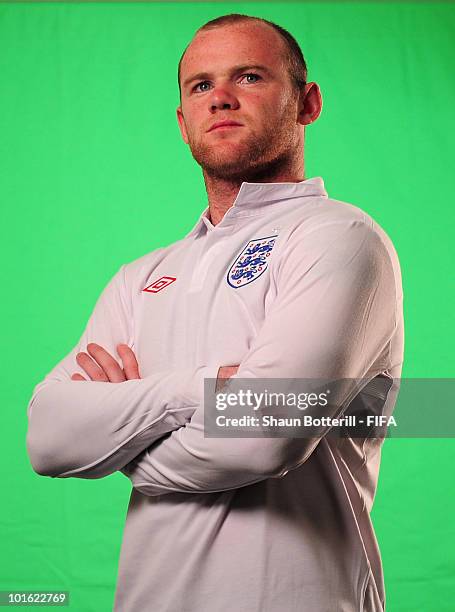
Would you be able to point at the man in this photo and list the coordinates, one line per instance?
(236, 524)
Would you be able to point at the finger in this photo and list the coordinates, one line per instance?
(91, 368)
(227, 371)
(106, 362)
(224, 374)
(130, 365)
(78, 377)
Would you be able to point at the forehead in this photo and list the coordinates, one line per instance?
(240, 43)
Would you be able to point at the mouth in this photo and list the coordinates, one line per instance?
(224, 125)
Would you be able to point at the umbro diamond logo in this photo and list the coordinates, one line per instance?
(159, 284)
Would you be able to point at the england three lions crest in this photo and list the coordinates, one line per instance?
(252, 262)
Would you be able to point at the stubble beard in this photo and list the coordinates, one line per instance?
(256, 157)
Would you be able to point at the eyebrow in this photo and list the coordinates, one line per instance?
(202, 76)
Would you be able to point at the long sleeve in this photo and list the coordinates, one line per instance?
(92, 429)
(333, 318)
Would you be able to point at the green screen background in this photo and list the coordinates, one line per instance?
(94, 174)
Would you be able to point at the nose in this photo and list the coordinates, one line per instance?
(222, 98)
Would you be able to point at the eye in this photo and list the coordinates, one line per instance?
(199, 85)
(255, 76)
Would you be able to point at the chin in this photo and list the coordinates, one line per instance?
(220, 163)
(234, 171)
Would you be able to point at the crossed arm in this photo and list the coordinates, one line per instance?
(333, 318)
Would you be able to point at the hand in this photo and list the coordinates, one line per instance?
(102, 367)
(224, 373)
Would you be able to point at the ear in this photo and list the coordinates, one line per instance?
(182, 125)
(310, 103)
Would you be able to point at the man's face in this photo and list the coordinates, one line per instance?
(240, 75)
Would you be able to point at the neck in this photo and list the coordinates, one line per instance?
(221, 192)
